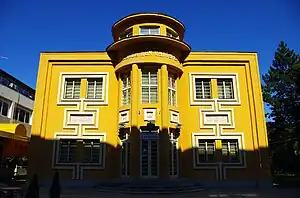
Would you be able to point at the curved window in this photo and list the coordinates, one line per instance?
(172, 90)
(126, 34)
(171, 34)
(149, 30)
(126, 90)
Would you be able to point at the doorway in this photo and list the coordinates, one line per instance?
(149, 155)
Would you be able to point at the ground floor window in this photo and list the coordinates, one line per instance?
(206, 150)
(230, 151)
(92, 151)
(67, 150)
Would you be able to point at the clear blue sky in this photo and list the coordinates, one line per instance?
(28, 27)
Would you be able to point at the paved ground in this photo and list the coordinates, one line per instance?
(226, 193)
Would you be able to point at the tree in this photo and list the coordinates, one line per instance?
(281, 92)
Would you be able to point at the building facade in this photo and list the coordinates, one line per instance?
(16, 107)
(149, 107)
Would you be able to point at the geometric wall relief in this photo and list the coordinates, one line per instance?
(216, 117)
(80, 115)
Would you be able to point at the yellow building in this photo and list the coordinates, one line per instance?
(149, 107)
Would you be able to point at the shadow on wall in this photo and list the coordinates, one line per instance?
(248, 168)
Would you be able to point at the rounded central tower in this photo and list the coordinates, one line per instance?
(146, 36)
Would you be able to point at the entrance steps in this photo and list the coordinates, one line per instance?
(149, 186)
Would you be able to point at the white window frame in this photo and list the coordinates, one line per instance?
(224, 90)
(1, 107)
(173, 101)
(126, 89)
(91, 147)
(149, 85)
(149, 27)
(202, 85)
(73, 88)
(19, 108)
(206, 153)
(68, 151)
(95, 87)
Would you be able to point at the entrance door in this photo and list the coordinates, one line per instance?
(149, 158)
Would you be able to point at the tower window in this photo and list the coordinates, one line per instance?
(126, 87)
(126, 34)
(149, 87)
(149, 30)
(172, 90)
(171, 34)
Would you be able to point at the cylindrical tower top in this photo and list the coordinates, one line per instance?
(174, 28)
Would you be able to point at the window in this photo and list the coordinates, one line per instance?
(126, 90)
(3, 108)
(149, 30)
(206, 150)
(72, 88)
(95, 88)
(92, 151)
(21, 115)
(149, 87)
(171, 34)
(67, 151)
(202, 88)
(230, 150)
(126, 34)
(172, 90)
(225, 89)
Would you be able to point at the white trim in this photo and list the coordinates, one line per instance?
(153, 27)
(63, 75)
(152, 111)
(235, 81)
(172, 120)
(126, 112)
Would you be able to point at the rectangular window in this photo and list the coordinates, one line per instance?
(149, 87)
(172, 90)
(230, 150)
(126, 88)
(21, 115)
(72, 88)
(92, 151)
(225, 89)
(206, 150)
(149, 30)
(95, 88)
(202, 88)
(67, 151)
(3, 108)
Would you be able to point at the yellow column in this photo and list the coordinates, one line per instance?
(164, 97)
(214, 88)
(164, 134)
(134, 131)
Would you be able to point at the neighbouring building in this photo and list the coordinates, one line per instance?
(149, 107)
(16, 107)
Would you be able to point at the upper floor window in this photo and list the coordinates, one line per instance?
(206, 150)
(67, 150)
(230, 150)
(225, 89)
(92, 151)
(149, 87)
(149, 30)
(202, 88)
(126, 90)
(171, 33)
(3, 108)
(95, 88)
(172, 90)
(72, 88)
(21, 115)
(126, 34)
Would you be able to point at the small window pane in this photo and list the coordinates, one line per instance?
(225, 89)
(202, 88)
(95, 88)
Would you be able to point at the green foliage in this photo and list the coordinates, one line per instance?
(281, 92)
(55, 189)
(33, 188)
